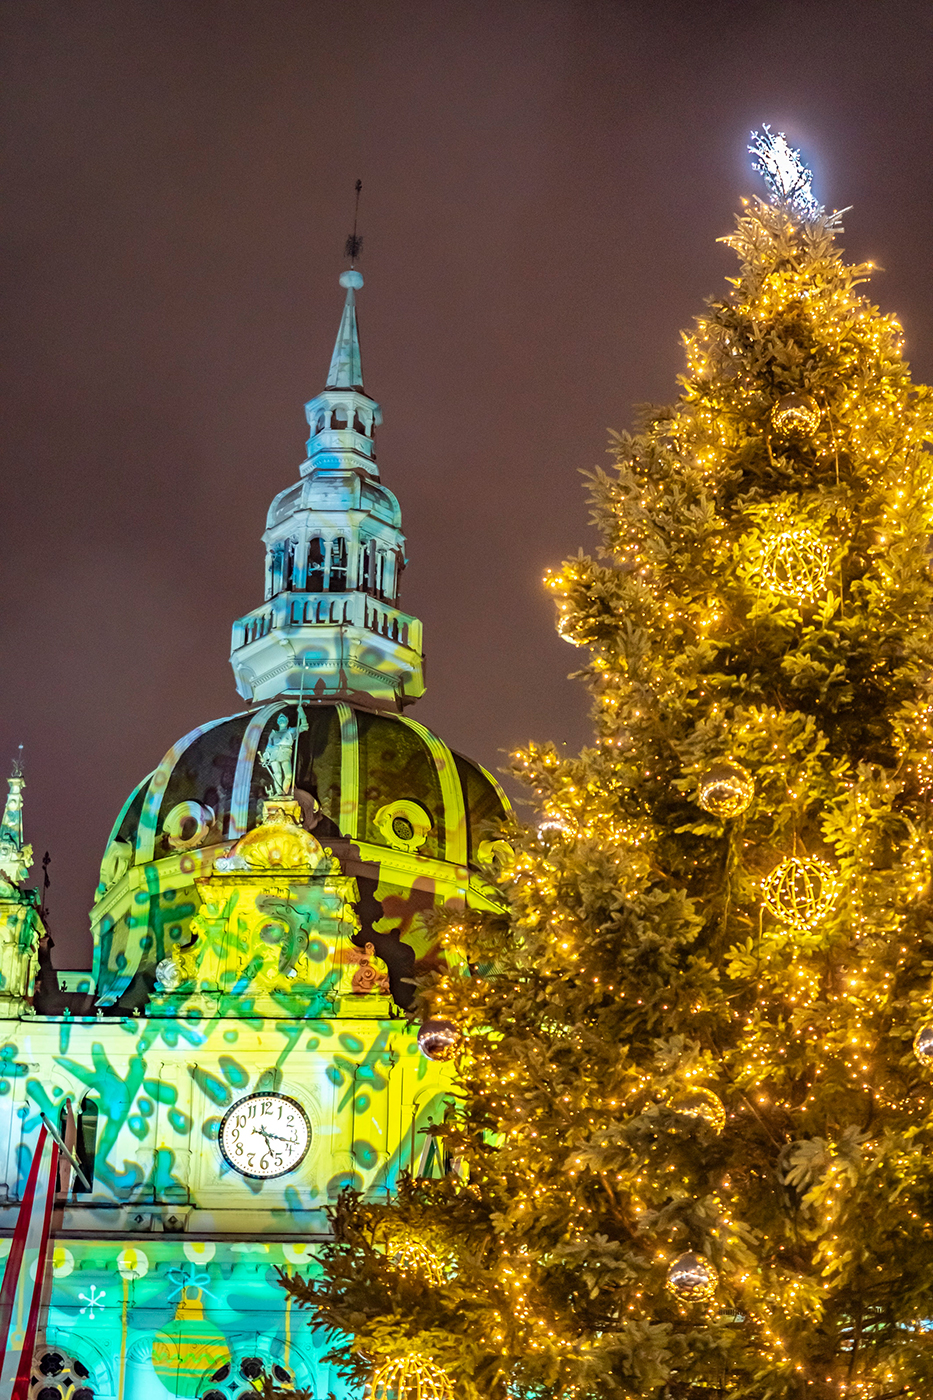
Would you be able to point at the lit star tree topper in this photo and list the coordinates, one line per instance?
(788, 178)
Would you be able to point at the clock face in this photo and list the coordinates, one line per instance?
(265, 1135)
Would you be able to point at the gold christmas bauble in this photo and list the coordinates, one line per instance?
(796, 415)
(692, 1279)
(411, 1378)
(725, 789)
(801, 892)
(923, 1045)
(697, 1102)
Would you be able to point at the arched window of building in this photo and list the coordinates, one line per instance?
(315, 575)
(337, 581)
(277, 566)
(244, 1375)
(290, 568)
(86, 1140)
(338, 418)
(367, 554)
(359, 426)
(319, 425)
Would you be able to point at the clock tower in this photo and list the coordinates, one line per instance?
(242, 1048)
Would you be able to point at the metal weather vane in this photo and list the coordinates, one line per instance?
(788, 179)
(354, 244)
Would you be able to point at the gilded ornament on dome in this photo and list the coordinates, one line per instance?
(796, 415)
(801, 892)
(279, 843)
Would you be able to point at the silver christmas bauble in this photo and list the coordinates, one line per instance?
(692, 1279)
(438, 1040)
(797, 414)
(725, 789)
(923, 1045)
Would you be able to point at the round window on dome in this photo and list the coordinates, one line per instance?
(187, 825)
(403, 825)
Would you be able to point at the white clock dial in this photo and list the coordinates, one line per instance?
(265, 1135)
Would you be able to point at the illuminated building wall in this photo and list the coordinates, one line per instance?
(241, 1050)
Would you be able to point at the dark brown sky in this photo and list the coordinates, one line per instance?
(544, 183)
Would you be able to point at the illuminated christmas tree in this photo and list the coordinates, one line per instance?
(691, 1138)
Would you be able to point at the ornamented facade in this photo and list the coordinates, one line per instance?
(241, 1048)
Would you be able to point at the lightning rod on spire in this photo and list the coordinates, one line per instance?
(355, 241)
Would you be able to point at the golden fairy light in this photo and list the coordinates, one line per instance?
(411, 1378)
(795, 414)
(801, 892)
(796, 562)
(725, 789)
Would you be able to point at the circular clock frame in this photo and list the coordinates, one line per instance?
(238, 1108)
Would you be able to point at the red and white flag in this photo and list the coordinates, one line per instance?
(24, 1275)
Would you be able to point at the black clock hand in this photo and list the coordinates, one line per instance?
(292, 1142)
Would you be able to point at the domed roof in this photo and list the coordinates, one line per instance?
(372, 774)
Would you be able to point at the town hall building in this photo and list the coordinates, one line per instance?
(242, 1047)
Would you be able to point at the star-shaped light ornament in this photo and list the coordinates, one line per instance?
(787, 177)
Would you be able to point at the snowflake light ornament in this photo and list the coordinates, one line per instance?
(787, 177)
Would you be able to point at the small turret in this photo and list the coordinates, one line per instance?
(15, 857)
(20, 916)
(330, 627)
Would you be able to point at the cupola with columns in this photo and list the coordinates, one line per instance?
(330, 625)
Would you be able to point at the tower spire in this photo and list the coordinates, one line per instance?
(331, 626)
(346, 366)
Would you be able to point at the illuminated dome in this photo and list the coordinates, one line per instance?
(405, 816)
(352, 763)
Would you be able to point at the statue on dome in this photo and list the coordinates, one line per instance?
(278, 756)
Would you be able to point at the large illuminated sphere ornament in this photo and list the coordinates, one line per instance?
(923, 1046)
(796, 563)
(697, 1102)
(415, 1258)
(411, 1378)
(725, 789)
(438, 1040)
(796, 415)
(801, 892)
(692, 1279)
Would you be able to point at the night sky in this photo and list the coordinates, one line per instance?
(543, 187)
